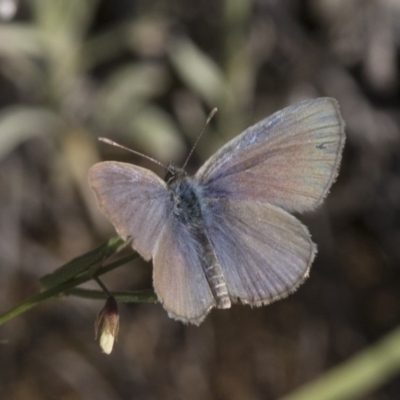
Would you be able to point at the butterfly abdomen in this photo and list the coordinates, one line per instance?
(188, 210)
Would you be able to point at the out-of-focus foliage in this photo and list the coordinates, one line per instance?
(146, 74)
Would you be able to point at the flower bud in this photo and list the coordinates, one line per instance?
(107, 325)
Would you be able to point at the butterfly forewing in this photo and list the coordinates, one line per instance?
(134, 199)
(178, 276)
(289, 159)
(264, 252)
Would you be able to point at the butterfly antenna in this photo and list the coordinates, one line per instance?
(112, 143)
(209, 118)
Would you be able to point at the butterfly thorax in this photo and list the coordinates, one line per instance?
(188, 207)
(185, 196)
(186, 201)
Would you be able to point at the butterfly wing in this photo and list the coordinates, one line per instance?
(178, 276)
(289, 159)
(264, 252)
(286, 162)
(139, 205)
(134, 199)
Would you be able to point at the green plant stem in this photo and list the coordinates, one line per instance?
(102, 285)
(143, 296)
(58, 291)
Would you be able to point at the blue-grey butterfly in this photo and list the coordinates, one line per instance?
(225, 235)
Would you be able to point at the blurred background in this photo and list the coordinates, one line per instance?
(146, 74)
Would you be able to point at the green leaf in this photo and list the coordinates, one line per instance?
(157, 133)
(18, 124)
(104, 46)
(82, 263)
(59, 290)
(357, 377)
(125, 92)
(198, 71)
(19, 40)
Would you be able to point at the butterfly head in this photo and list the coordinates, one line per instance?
(174, 173)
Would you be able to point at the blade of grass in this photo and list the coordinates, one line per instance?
(63, 288)
(358, 376)
(19, 123)
(82, 263)
(198, 71)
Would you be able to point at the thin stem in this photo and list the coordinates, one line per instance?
(142, 296)
(102, 285)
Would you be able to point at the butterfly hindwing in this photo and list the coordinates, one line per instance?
(264, 252)
(178, 276)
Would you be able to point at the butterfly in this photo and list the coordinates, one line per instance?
(226, 235)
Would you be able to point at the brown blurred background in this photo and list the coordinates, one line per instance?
(146, 73)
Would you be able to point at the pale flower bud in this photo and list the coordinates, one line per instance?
(107, 325)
